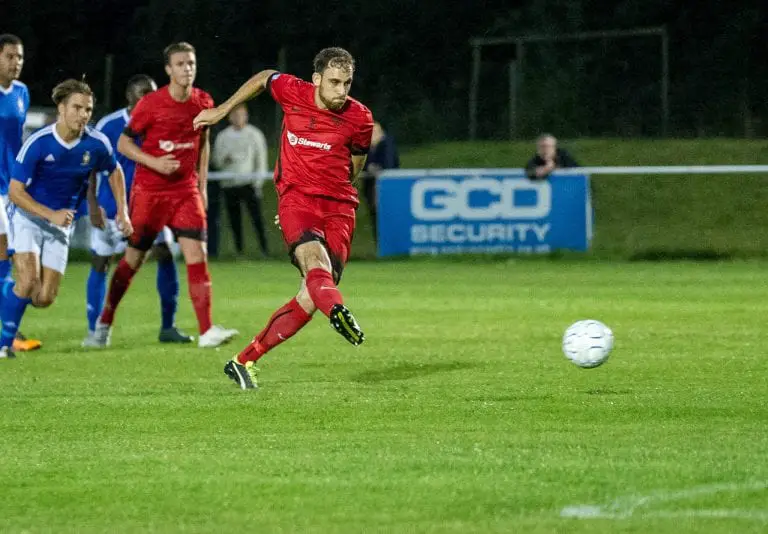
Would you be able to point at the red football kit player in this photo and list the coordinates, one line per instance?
(168, 189)
(324, 144)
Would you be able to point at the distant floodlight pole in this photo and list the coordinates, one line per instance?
(478, 42)
(513, 129)
(474, 87)
(109, 62)
(664, 82)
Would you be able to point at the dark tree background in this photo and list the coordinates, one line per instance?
(414, 58)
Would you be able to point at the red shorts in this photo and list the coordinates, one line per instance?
(150, 212)
(305, 218)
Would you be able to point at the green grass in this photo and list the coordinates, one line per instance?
(459, 414)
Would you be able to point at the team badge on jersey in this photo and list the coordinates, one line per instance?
(166, 146)
(20, 104)
(86, 158)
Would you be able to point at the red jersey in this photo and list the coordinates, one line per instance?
(165, 127)
(316, 145)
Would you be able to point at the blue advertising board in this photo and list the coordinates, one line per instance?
(481, 210)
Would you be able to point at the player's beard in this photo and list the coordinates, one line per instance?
(333, 105)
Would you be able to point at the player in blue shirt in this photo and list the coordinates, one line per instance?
(51, 176)
(109, 241)
(14, 103)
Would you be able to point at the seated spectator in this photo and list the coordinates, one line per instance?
(548, 158)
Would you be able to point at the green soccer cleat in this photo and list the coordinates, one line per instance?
(244, 375)
(345, 324)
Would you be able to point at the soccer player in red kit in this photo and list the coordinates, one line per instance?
(324, 144)
(168, 189)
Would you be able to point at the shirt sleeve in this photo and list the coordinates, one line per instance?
(26, 162)
(140, 119)
(108, 162)
(361, 138)
(206, 101)
(282, 87)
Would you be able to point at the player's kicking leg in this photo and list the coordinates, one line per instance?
(283, 324)
(315, 262)
(168, 289)
(312, 254)
(318, 292)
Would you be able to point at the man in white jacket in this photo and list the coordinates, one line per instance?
(242, 148)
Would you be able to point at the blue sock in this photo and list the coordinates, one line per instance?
(5, 269)
(5, 275)
(168, 289)
(95, 290)
(11, 311)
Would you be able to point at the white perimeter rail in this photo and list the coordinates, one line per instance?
(410, 173)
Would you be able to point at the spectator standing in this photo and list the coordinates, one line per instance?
(241, 148)
(383, 155)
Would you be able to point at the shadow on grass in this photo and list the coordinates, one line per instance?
(408, 371)
(680, 254)
(512, 398)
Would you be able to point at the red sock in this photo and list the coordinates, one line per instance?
(323, 291)
(200, 292)
(117, 288)
(283, 324)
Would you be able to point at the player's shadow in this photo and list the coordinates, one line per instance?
(408, 371)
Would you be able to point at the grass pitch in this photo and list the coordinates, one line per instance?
(458, 414)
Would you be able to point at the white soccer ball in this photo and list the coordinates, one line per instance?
(587, 343)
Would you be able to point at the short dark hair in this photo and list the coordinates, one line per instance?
(175, 48)
(68, 88)
(138, 84)
(333, 57)
(10, 39)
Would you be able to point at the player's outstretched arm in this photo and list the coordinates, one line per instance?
(17, 191)
(253, 87)
(164, 165)
(117, 185)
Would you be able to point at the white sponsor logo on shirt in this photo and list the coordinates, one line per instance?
(294, 140)
(170, 146)
(50, 157)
